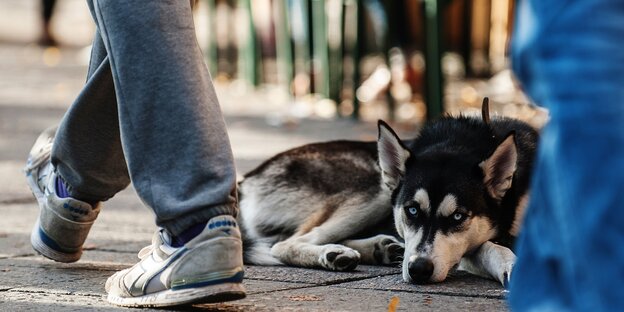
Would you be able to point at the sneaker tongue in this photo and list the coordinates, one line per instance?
(161, 243)
(162, 237)
(159, 238)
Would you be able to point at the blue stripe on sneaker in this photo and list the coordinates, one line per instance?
(48, 241)
(236, 278)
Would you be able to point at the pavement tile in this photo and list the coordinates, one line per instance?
(111, 258)
(18, 300)
(457, 284)
(18, 217)
(80, 286)
(257, 287)
(88, 277)
(35, 274)
(326, 298)
(121, 226)
(13, 188)
(118, 246)
(15, 245)
(312, 276)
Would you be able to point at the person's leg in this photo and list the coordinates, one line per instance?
(569, 252)
(90, 166)
(148, 106)
(87, 151)
(172, 123)
(177, 153)
(172, 131)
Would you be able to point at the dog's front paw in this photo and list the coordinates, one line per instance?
(339, 258)
(504, 263)
(490, 261)
(388, 250)
(505, 276)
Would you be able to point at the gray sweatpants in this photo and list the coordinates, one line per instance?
(148, 114)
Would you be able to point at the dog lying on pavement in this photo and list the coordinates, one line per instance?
(453, 196)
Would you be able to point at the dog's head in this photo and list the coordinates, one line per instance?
(442, 203)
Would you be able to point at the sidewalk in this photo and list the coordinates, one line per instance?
(34, 96)
(36, 87)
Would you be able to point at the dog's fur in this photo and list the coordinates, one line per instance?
(453, 195)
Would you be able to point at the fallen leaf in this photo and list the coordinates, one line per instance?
(394, 304)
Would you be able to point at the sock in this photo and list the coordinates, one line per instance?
(61, 188)
(187, 235)
(61, 191)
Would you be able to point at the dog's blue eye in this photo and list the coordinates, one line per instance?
(458, 216)
(413, 211)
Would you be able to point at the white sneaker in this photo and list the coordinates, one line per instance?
(63, 223)
(207, 269)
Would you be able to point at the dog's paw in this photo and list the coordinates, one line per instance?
(339, 258)
(504, 263)
(505, 275)
(490, 261)
(388, 250)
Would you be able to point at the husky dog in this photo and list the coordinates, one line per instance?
(454, 195)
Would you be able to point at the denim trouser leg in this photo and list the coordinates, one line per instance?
(148, 113)
(568, 55)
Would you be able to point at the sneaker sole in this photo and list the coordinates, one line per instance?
(166, 298)
(37, 240)
(37, 236)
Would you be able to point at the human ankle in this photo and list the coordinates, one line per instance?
(62, 191)
(187, 235)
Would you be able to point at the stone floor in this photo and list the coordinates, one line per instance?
(36, 87)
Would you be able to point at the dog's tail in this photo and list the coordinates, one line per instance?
(259, 252)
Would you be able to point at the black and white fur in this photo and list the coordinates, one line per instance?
(452, 196)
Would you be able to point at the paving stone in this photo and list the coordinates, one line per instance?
(312, 276)
(36, 274)
(15, 245)
(18, 218)
(121, 226)
(457, 284)
(334, 299)
(117, 259)
(25, 300)
(80, 286)
(88, 276)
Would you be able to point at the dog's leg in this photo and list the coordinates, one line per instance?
(380, 249)
(316, 242)
(305, 251)
(490, 261)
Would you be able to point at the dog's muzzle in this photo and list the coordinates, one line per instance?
(420, 270)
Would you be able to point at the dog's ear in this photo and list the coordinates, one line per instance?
(499, 168)
(392, 155)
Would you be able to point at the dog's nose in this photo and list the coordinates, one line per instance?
(420, 270)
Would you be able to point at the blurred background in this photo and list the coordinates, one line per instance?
(405, 61)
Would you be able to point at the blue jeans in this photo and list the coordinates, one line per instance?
(148, 114)
(569, 56)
